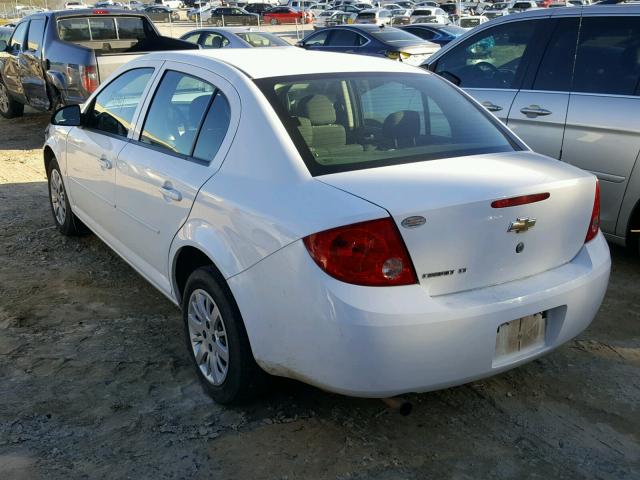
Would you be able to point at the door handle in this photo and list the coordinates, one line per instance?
(104, 163)
(169, 193)
(535, 111)
(491, 106)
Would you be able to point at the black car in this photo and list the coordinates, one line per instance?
(258, 8)
(434, 32)
(374, 40)
(160, 13)
(226, 16)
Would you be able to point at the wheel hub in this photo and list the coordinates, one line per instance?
(58, 202)
(208, 337)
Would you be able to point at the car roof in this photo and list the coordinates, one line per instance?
(283, 61)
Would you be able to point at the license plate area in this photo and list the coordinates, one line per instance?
(520, 336)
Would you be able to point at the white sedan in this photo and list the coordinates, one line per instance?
(354, 223)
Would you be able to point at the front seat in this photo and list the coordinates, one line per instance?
(317, 117)
(401, 129)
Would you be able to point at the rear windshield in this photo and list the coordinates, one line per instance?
(259, 39)
(342, 122)
(393, 35)
(101, 28)
(367, 15)
(453, 30)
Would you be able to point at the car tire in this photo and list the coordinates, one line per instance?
(219, 23)
(66, 221)
(274, 21)
(56, 100)
(214, 329)
(9, 108)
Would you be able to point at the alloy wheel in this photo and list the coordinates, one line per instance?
(58, 197)
(208, 337)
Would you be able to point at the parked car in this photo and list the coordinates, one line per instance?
(375, 16)
(5, 34)
(258, 8)
(430, 15)
(281, 15)
(523, 6)
(435, 32)
(400, 16)
(174, 4)
(350, 9)
(330, 18)
(471, 21)
(300, 4)
(388, 42)
(160, 13)
(428, 3)
(57, 58)
(233, 37)
(222, 16)
(498, 9)
(338, 261)
(577, 102)
(74, 6)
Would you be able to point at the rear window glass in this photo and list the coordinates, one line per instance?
(363, 120)
(257, 39)
(86, 29)
(392, 35)
(367, 15)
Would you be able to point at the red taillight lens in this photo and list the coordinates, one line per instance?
(594, 225)
(521, 200)
(369, 253)
(89, 78)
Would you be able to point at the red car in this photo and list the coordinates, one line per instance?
(278, 15)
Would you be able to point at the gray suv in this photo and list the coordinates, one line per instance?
(567, 81)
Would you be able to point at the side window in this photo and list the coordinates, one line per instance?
(36, 31)
(17, 40)
(317, 40)
(556, 67)
(492, 58)
(608, 56)
(344, 38)
(113, 108)
(176, 112)
(214, 40)
(193, 38)
(214, 129)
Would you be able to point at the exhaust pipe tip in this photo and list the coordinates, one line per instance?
(399, 405)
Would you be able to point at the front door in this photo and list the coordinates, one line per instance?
(93, 148)
(30, 66)
(491, 64)
(180, 145)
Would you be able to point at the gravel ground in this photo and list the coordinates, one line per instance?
(95, 381)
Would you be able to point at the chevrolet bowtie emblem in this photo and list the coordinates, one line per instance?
(522, 224)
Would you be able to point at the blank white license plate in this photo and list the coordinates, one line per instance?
(520, 335)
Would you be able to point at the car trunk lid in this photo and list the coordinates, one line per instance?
(464, 242)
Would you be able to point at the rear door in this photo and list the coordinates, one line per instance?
(539, 110)
(491, 64)
(93, 148)
(180, 142)
(30, 66)
(603, 125)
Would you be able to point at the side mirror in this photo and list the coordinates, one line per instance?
(69, 116)
(3, 45)
(456, 80)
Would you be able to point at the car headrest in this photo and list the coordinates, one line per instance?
(318, 109)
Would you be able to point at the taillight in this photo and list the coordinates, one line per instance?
(368, 253)
(89, 78)
(594, 224)
(100, 12)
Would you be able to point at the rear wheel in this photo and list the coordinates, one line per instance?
(9, 108)
(274, 21)
(217, 340)
(66, 222)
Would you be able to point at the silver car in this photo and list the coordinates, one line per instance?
(567, 81)
(233, 37)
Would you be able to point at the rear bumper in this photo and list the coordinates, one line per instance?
(377, 342)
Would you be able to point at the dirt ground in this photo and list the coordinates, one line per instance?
(95, 381)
